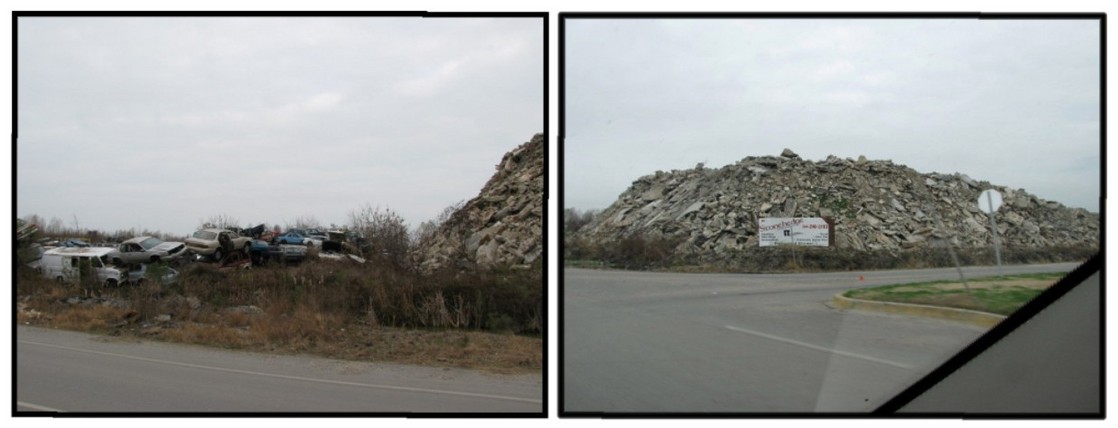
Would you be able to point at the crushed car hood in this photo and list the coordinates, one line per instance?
(167, 246)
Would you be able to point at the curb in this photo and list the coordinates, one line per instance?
(982, 319)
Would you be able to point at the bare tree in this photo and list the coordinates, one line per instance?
(55, 226)
(428, 228)
(386, 235)
(35, 220)
(220, 221)
(573, 220)
(305, 222)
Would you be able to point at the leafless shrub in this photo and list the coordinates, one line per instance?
(573, 220)
(305, 222)
(427, 229)
(219, 221)
(387, 241)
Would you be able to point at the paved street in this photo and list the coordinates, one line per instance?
(75, 372)
(665, 342)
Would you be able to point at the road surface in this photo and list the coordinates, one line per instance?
(693, 343)
(75, 372)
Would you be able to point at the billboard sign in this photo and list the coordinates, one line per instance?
(800, 231)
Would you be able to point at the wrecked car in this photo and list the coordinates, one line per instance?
(32, 256)
(25, 230)
(139, 275)
(208, 243)
(297, 237)
(263, 252)
(147, 249)
(74, 242)
(316, 234)
(254, 232)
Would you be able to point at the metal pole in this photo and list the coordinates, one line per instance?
(934, 214)
(994, 230)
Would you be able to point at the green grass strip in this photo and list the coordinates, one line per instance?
(999, 299)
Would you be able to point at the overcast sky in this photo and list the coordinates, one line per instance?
(1015, 103)
(161, 123)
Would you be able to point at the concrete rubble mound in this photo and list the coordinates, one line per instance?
(874, 204)
(502, 226)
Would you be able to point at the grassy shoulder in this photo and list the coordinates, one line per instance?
(488, 322)
(998, 295)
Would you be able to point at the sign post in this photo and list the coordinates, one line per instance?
(990, 200)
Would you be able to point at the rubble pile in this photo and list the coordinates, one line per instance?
(502, 226)
(874, 205)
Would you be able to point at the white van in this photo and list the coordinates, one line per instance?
(64, 264)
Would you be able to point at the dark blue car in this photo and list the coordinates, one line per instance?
(74, 242)
(291, 237)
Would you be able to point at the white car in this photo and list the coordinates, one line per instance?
(139, 276)
(207, 242)
(147, 249)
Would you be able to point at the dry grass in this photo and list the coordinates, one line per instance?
(301, 312)
(504, 353)
(496, 353)
(89, 317)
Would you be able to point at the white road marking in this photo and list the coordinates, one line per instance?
(299, 378)
(37, 407)
(819, 348)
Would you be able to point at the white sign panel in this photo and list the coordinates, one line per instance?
(811, 231)
(989, 200)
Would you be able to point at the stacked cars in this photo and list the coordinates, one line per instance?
(216, 244)
(128, 262)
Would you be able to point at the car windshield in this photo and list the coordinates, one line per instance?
(206, 235)
(150, 243)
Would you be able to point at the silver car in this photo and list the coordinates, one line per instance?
(147, 249)
(207, 242)
(139, 276)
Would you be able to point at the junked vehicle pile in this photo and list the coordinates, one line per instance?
(127, 263)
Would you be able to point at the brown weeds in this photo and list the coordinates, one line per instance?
(336, 310)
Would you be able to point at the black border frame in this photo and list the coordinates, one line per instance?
(545, 26)
(890, 408)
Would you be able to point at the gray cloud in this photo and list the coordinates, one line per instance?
(161, 122)
(1015, 103)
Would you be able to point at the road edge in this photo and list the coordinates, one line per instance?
(982, 319)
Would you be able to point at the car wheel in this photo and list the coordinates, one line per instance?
(110, 282)
(155, 259)
(217, 254)
(117, 261)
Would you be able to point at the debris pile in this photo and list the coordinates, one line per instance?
(502, 226)
(874, 204)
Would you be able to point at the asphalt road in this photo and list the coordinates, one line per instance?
(693, 343)
(75, 372)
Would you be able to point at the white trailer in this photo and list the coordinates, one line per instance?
(65, 264)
